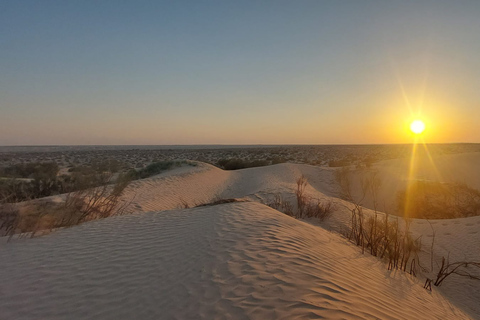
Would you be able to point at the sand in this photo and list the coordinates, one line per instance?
(231, 261)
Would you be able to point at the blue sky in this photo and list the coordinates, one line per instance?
(234, 72)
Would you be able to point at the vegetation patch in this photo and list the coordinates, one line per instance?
(157, 168)
(306, 207)
(382, 236)
(220, 201)
(235, 163)
(79, 206)
(435, 200)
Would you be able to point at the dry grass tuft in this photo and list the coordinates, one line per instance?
(79, 206)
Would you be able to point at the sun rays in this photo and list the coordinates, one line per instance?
(421, 165)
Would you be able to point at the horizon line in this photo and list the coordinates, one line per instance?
(225, 144)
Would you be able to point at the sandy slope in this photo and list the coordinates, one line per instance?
(457, 237)
(174, 188)
(233, 261)
(242, 259)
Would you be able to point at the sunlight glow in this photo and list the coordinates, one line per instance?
(417, 126)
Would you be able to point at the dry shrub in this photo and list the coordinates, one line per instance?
(381, 237)
(465, 268)
(384, 238)
(287, 208)
(79, 206)
(318, 209)
(9, 218)
(459, 268)
(311, 208)
(276, 203)
(300, 194)
(96, 203)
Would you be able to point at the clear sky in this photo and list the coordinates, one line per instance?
(238, 72)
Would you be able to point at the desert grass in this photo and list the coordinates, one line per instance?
(83, 205)
(381, 237)
(306, 207)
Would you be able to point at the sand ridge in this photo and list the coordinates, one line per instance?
(457, 238)
(231, 261)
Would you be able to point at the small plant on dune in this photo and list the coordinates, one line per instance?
(282, 205)
(9, 219)
(276, 202)
(307, 207)
(344, 179)
(459, 268)
(401, 248)
(318, 209)
(300, 194)
(287, 208)
(381, 237)
(465, 268)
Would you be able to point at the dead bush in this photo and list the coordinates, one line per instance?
(79, 206)
(311, 208)
(381, 237)
(300, 194)
(318, 209)
(9, 218)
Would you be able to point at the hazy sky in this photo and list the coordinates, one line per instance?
(238, 72)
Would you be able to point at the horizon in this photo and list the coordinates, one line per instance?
(248, 73)
(13, 148)
(240, 144)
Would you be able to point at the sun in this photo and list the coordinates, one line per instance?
(417, 126)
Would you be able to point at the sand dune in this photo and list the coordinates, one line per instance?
(241, 260)
(457, 238)
(232, 261)
(172, 189)
(204, 183)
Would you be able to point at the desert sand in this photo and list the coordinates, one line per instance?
(240, 260)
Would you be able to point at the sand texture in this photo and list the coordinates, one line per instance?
(232, 261)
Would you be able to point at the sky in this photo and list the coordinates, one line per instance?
(238, 72)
